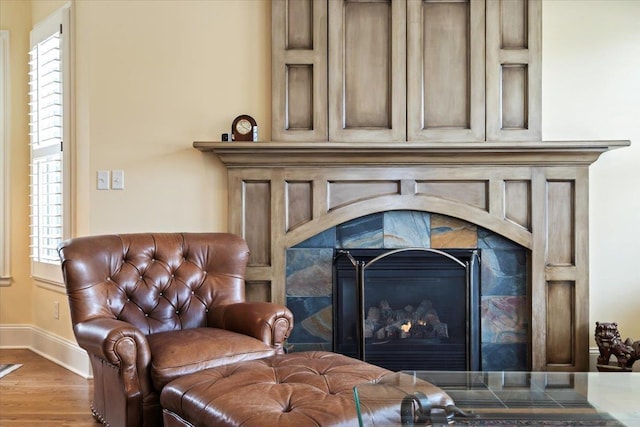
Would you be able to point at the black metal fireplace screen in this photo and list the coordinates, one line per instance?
(408, 309)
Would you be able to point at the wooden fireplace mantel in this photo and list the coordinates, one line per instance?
(340, 154)
(535, 194)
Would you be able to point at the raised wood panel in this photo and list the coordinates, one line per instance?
(258, 291)
(560, 223)
(472, 193)
(300, 24)
(446, 65)
(513, 70)
(445, 54)
(257, 221)
(514, 96)
(299, 70)
(235, 194)
(560, 327)
(299, 204)
(341, 193)
(514, 24)
(367, 67)
(517, 197)
(367, 75)
(299, 112)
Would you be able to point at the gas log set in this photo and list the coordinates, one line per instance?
(384, 323)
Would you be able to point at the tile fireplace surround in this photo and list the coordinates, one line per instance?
(525, 202)
(504, 309)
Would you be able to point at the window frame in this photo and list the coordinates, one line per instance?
(51, 273)
(5, 175)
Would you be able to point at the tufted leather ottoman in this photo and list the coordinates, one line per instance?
(296, 389)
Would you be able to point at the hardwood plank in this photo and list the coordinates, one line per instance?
(42, 393)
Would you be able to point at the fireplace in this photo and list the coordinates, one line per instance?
(532, 195)
(413, 308)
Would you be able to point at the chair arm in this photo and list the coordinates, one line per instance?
(121, 344)
(269, 322)
(115, 341)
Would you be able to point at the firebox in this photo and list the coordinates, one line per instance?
(408, 309)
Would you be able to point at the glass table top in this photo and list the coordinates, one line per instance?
(503, 398)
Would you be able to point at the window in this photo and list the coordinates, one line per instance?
(5, 224)
(49, 131)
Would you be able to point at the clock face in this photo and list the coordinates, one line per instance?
(244, 126)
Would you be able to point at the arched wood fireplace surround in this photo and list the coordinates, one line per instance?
(534, 194)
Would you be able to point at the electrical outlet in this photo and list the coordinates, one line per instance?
(56, 309)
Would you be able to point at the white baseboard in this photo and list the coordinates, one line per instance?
(57, 349)
(594, 352)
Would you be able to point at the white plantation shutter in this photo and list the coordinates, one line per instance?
(48, 129)
(5, 217)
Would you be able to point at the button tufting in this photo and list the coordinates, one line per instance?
(128, 299)
(146, 315)
(193, 292)
(160, 293)
(177, 311)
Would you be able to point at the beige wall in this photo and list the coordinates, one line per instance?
(591, 90)
(15, 301)
(153, 76)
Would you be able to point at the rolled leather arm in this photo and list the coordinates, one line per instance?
(120, 344)
(269, 322)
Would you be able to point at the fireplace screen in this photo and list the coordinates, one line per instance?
(408, 309)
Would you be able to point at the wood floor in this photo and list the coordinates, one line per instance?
(42, 393)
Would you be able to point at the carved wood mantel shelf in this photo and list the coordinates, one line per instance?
(535, 194)
(339, 154)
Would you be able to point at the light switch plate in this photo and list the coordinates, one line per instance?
(117, 179)
(103, 180)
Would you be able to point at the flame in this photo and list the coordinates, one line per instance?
(406, 327)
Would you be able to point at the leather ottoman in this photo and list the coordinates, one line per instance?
(295, 389)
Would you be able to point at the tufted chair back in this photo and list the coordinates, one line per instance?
(156, 282)
(151, 307)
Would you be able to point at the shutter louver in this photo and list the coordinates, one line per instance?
(45, 130)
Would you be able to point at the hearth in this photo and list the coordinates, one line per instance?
(413, 308)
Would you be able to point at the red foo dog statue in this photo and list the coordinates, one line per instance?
(610, 344)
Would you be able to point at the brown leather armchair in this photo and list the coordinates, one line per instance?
(149, 308)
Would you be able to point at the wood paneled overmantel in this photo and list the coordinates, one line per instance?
(533, 193)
